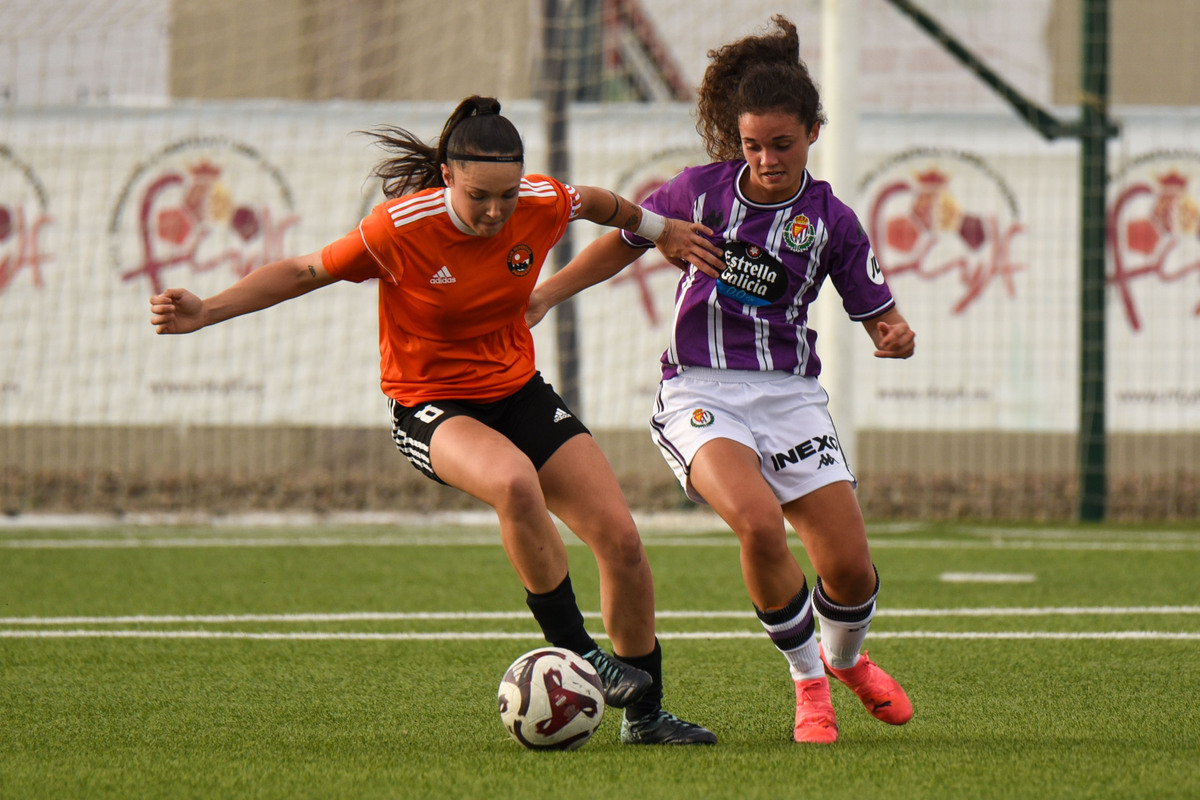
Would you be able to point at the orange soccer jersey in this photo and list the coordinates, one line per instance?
(452, 304)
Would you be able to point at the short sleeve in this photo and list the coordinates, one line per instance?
(357, 256)
(573, 199)
(858, 277)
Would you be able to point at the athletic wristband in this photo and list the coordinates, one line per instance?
(652, 225)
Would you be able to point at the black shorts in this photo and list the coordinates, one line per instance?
(534, 418)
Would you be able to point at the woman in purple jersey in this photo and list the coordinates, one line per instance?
(740, 415)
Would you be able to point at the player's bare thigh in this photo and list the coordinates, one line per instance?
(728, 475)
(582, 490)
(468, 455)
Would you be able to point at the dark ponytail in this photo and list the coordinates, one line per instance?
(474, 132)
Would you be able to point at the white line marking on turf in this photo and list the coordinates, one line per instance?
(501, 635)
(399, 616)
(987, 577)
(457, 539)
(1071, 611)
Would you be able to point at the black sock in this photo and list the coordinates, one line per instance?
(560, 619)
(651, 701)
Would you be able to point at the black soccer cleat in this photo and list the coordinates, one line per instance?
(663, 727)
(622, 683)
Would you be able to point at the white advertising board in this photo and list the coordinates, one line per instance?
(974, 217)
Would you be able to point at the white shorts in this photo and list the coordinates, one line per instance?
(782, 417)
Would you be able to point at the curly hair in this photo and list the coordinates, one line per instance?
(754, 75)
(475, 128)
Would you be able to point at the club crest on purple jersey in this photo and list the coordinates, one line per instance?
(798, 235)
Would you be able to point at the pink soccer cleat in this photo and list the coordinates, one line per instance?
(878, 691)
(815, 721)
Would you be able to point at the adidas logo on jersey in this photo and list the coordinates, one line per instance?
(442, 276)
(560, 415)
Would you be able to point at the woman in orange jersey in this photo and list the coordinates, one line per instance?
(457, 248)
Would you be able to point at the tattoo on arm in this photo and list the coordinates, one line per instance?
(616, 207)
(312, 270)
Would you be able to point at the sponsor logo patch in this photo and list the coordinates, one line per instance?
(751, 275)
(826, 446)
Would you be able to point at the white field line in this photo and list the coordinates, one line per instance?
(61, 633)
(697, 521)
(463, 539)
(459, 616)
(987, 577)
(500, 635)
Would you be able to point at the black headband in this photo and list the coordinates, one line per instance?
(498, 159)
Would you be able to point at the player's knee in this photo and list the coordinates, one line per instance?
(849, 583)
(518, 494)
(762, 536)
(619, 543)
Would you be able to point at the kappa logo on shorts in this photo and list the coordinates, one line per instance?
(825, 445)
(702, 418)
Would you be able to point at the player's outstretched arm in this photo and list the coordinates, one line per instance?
(891, 335)
(180, 311)
(678, 241)
(596, 263)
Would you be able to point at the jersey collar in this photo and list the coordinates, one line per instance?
(458, 223)
(737, 188)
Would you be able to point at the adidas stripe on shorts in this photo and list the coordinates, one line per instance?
(534, 418)
(781, 416)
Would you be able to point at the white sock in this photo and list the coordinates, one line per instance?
(843, 628)
(793, 633)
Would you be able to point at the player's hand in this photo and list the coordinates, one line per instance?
(688, 242)
(895, 341)
(176, 311)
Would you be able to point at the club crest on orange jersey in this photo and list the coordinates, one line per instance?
(798, 235)
(520, 260)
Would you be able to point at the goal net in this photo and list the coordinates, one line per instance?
(153, 143)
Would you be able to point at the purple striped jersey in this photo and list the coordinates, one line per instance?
(776, 258)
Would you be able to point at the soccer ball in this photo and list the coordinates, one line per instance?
(551, 699)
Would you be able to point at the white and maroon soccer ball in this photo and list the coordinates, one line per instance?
(551, 699)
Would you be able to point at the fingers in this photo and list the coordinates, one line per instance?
(164, 310)
(695, 247)
(701, 239)
(161, 317)
(896, 341)
(703, 267)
